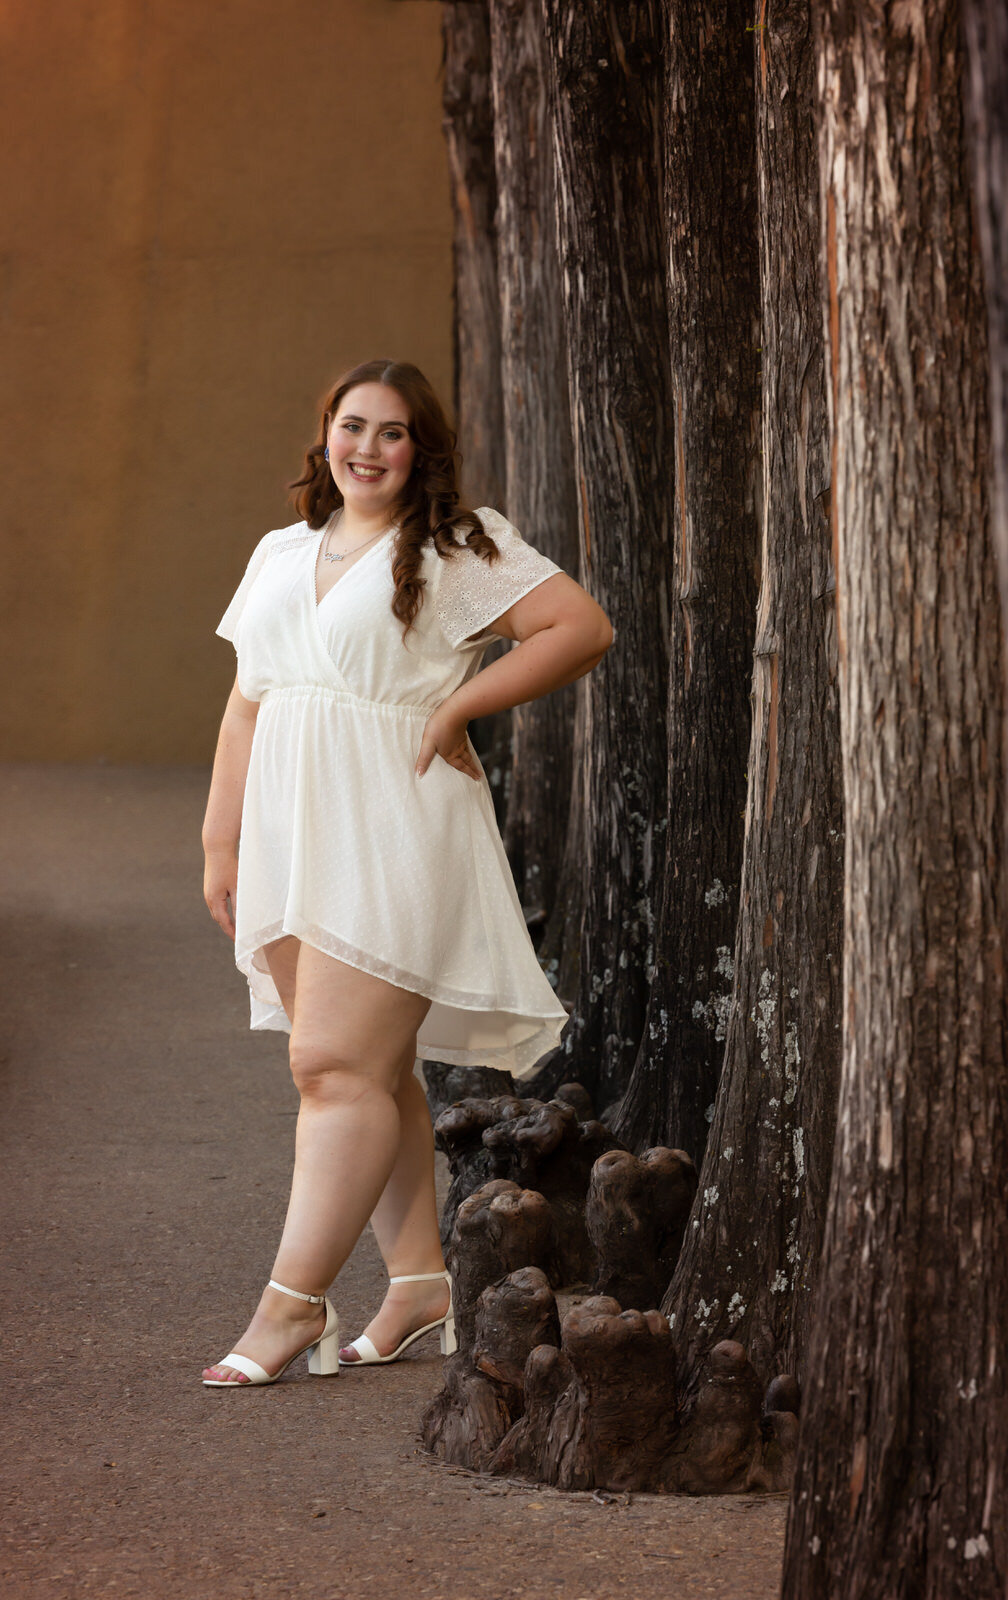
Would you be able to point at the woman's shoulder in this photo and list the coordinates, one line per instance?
(475, 586)
(278, 539)
(491, 522)
(454, 563)
(496, 524)
(275, 542)
(297, 534)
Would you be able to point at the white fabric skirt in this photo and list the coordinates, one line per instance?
(403, 877)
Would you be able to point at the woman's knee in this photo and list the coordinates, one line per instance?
(321, 1070)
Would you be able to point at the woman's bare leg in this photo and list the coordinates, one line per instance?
(349, 1038)
(405, 1223)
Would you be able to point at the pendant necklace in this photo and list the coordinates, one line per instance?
(328, 555)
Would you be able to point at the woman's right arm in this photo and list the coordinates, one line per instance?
(222, 823)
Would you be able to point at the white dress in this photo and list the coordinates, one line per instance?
(341, 844)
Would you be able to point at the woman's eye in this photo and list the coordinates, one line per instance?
(352, 427)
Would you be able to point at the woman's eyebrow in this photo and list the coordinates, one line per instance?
(392, 423)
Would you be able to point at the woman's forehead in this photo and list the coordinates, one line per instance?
(376, 402)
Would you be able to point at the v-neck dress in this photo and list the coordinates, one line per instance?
(341, 844)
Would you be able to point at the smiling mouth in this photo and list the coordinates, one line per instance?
(366, 474)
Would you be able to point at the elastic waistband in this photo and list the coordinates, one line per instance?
(321, 691)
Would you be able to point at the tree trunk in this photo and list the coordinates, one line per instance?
(479, 406)
(539, 451)
(713, 283)
(986, 31)
(560, 950)
(468, 130)
(771, 1144)
(900, 1481)
(606, 90)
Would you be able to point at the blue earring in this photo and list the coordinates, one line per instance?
(327, 452)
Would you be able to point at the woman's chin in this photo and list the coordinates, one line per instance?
(372, 499)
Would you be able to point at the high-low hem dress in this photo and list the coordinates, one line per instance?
(342, 845)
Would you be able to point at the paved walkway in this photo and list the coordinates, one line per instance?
(146, 1140)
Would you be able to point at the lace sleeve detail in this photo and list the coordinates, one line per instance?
(473, 592)
(228, 624)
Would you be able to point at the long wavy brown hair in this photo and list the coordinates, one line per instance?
(429, 511)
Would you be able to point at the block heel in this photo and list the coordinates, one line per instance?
(323, 1352)
(368, 1356)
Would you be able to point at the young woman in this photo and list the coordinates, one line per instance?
(371, 904)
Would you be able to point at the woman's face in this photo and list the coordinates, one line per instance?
(370, 450)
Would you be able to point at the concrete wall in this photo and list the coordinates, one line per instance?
(207, 211)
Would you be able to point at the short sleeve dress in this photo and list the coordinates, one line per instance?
(341, 844)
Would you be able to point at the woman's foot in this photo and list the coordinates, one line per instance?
(279, 1329)
(406, 1307)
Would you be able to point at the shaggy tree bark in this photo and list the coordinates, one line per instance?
(539, 450)
(468, 131)
(900, 1482)
(749, 1263)
(606, 87)
(986, 32)
(713, 282)
(479, 408)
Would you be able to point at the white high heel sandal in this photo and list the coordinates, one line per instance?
(367, 1353)
(323, 1352)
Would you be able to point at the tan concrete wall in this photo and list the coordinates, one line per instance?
(207, 211)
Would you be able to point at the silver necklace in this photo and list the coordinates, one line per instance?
(328, 555)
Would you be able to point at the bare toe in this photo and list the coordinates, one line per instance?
(222, 1374)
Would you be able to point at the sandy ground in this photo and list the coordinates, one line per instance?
(146, 1144)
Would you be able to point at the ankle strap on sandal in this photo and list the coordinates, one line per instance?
(295, 1294)
(423, 1277)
